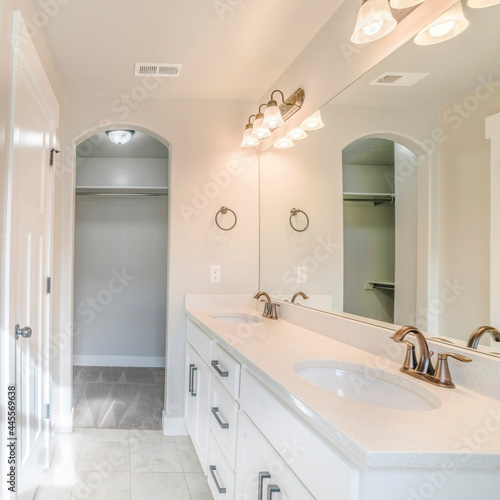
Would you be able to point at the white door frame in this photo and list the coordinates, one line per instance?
(67, 266)
(25, 57)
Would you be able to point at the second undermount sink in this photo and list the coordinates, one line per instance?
(237, 318)
(351, 383)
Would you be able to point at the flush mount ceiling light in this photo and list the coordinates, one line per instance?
(314, 122)
(259, 131)
(481, 4)
(448, 25)
(405, 4)
(248, 140)
(284, 143)
(375, 20)
(297, 134)
(120, 136)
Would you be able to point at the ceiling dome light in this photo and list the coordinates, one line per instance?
(120, 136)
(481, 4)
(448, 25)
(284, 143)
(259, 131)
(405, 4)
(297, 134)
(314, 122)
(248, 140)
(375, 20)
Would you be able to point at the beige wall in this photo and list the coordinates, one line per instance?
(464, 243)
(208, 169)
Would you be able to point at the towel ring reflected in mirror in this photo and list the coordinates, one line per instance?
(224, 211)
(294, 212)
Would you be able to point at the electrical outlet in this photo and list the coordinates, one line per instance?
(215, 274)
(301, 274)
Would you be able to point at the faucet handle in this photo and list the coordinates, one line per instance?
(410, 361)
(274, 311)
(442, 376)
(266, 312)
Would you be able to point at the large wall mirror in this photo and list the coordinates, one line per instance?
(390, 199)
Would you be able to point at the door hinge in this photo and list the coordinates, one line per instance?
(49, 285)
(47, 411)
(52, 151)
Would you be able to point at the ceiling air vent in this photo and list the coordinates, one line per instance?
(394, 79)
(158, 69)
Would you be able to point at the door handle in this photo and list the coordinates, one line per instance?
(220, 488)
(193, 390)
(272, 488)
(25, 332)
(215, 412)
(222, 373)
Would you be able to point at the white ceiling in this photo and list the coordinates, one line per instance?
(369, 151)
(236, 52)
(454, 67)
(140, 146)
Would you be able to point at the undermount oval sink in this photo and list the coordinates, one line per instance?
(376, 391)
(237, 318)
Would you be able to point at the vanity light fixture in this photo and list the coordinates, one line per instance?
(259, 131)
(120, 136)
(448, 25)
(284, 143)
(375, 20)
(481, 4)
(314, 122)
(405, 4)
(274, 116)
(248, 140)
(297, 134)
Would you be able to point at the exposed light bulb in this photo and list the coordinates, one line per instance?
(297, 134)
(120, 136)
(283, 143)
(372, 28)
(442, 29)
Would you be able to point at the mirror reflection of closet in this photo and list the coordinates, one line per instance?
(380, 232)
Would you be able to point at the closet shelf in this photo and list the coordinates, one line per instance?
(379, 285)
(371, 197)
(121, 191)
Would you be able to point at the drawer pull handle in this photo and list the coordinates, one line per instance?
(222, 373)
(262, 476)
(272, 488)
(220, 489)
(215, 413)
(192, 369)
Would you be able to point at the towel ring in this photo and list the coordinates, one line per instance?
(296, 211)
(224, 211)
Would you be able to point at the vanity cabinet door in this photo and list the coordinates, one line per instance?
(198, 378)
(261, 473)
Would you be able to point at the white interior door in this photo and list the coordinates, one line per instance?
(29, 268)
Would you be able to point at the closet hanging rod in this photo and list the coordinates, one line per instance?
(89, 193)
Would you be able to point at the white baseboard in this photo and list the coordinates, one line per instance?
(174, 426)
(127, 361)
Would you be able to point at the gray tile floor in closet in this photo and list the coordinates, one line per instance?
(118, 398)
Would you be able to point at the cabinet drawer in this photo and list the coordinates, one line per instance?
(201, 342)
(221, 477)
(261, 471)
(226, 369)
(299, 445)
(224, 420)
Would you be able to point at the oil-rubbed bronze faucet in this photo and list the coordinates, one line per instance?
(423, 369)
(299, 294)
(270, 308)
(479, 332)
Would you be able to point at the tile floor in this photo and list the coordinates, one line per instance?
(116, 464)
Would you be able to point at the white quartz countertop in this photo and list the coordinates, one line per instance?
(462, 433)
